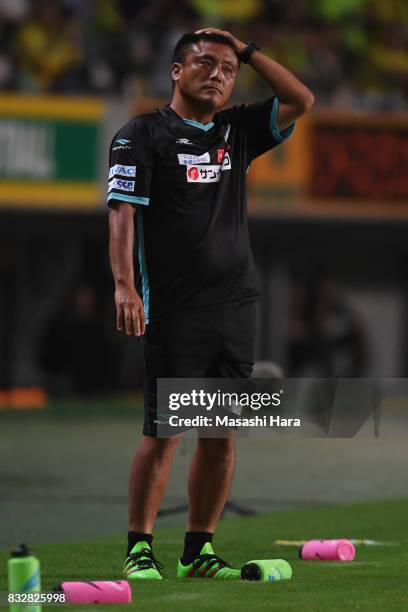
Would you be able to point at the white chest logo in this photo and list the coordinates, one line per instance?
(184, 141)
(186, 159)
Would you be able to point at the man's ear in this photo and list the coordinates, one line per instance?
(176, 70)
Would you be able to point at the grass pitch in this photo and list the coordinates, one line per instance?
(376, 580)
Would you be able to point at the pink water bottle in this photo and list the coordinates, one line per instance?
(102, 591)
(328, 550)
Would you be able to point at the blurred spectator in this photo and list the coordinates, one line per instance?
(77, 353)
(338, 10)
(48, 50)
(12, 12)
(106, 48)
(390, 60)
(220, 12)
(325, 336)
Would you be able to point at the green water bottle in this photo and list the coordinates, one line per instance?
(267, 570)
(23, 579)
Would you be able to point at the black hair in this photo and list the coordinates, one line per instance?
(190, 39)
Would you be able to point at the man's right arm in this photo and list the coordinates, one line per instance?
(129, 306)
(130, 172)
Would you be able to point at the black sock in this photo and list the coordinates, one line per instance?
(193, 543)
(135, 536)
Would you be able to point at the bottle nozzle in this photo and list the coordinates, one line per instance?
(21, 551)
(250, 571)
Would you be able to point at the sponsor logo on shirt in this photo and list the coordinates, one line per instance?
(123, 147)
(226, 162)
(122, 170)
(221, 153)
(205, 174)
(186, 159)
(121, 184)
(185, 141)
(123, 141)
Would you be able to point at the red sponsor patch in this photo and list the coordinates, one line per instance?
(193, 173)
(220, 155)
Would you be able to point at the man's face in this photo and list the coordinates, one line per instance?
(207, 75)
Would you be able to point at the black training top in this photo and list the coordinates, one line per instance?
(187, 182)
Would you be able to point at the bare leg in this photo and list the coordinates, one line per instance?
(149, 475)
(210, 482)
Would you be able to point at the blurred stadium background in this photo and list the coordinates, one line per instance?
(328, 222)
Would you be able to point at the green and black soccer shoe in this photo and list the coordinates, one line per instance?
(208, 565)
(141, 564)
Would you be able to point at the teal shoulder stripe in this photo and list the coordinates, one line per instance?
(274, 126)
(126, 198)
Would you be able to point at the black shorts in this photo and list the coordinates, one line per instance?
(216, 343)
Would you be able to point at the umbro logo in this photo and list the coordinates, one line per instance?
(184, 141)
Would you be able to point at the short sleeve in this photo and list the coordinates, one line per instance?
(130, 164)
(260, 121)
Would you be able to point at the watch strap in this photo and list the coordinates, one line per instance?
(248, 51)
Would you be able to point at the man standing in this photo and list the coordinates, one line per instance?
(181, 170)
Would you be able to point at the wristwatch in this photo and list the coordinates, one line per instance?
(248, 51)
